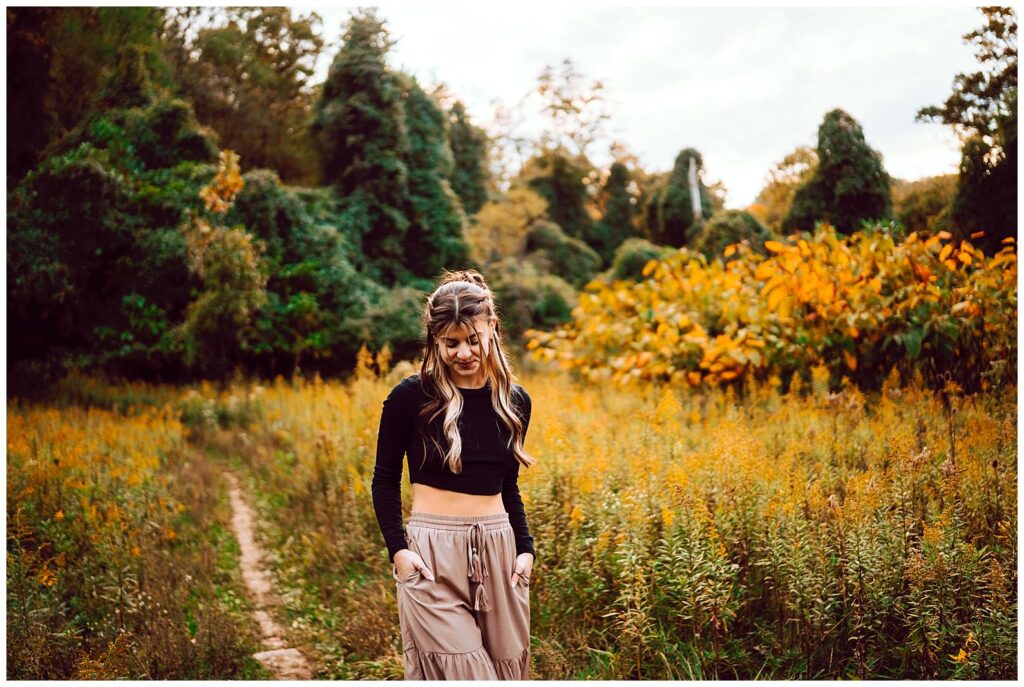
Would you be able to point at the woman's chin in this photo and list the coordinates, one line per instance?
(466, 372)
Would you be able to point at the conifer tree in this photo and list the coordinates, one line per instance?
(558, 177)
(983, 110)
(469, 148)
(849, 185)
(671, 219)
(436, 236)
(616, 223)
(359, 127)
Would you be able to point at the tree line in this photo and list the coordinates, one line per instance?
(355, 193)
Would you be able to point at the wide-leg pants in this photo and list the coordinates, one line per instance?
(469, 622)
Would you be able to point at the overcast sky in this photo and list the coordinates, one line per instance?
(744, 86)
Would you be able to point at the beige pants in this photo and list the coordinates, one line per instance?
(469, 622)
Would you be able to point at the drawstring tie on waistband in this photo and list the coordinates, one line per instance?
(477, 570)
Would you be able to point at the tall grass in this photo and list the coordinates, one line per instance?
(804, 535)
(120, 563)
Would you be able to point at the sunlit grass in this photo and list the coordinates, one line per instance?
(679, 535)
(685, 535)
(112, 528)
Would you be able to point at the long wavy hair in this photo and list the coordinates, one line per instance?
(459, 299)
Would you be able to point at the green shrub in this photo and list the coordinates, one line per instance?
(551, 250)
(529, 299)
(630, 258)
(730, 226)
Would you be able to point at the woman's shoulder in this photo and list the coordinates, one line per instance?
(521, 392)
(409, 389)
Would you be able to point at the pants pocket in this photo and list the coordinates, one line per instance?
(408, 578)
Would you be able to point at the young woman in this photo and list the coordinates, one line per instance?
(462, 564)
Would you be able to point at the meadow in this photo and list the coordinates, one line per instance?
(680, 534)
(773, 441)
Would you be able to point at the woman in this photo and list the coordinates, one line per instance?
(462, 564)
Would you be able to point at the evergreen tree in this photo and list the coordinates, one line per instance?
(983, 110)
(849, 185)
(360, 132)
(96, 264)
(559, 179)
(616, 223)
(670, 216)
(436, 237)
(129, 86)
(469, 148)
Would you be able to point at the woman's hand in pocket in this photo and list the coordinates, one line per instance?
(524, 564)
(408, 561)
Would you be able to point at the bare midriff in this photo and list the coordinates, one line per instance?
(428, 499)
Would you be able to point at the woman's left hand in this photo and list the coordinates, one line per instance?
(524, 564)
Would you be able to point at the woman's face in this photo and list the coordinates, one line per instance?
(462, 350)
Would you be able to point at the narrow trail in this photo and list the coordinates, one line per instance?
(286, 663)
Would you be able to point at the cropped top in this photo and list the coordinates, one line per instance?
(488, 465)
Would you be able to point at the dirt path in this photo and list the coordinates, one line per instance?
(286, 663)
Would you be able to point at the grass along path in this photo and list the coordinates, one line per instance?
(286, 663)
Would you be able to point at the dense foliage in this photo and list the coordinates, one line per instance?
(469, 146)
(617, 220)
(124, 110)
(983, 110)
(776, 198)
(848, 185)
(559, 178)
(859, 305)
(247, 71)
(924, 205)
(671, 218)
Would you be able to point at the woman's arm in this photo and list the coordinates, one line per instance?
(510, 488)
(396, 422)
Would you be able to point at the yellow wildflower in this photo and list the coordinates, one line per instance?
(576, 517)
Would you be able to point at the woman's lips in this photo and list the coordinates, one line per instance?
(471, 364)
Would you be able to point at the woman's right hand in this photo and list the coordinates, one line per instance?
(408, 561)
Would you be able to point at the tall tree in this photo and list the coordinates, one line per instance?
(248, 71)
(470, 150)
(29, 53)
(674, 212)
(436, 237)
(58, 60)
(849, 185)
(983, 110)
(560, 178)
(616, 223)
(359, 126)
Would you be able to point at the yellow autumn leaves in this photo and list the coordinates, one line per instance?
(813, 298)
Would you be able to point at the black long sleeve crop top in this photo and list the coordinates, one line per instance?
(488, 467)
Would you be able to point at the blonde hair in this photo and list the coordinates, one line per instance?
(460, 298)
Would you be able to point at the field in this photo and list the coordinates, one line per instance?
(680, 535)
